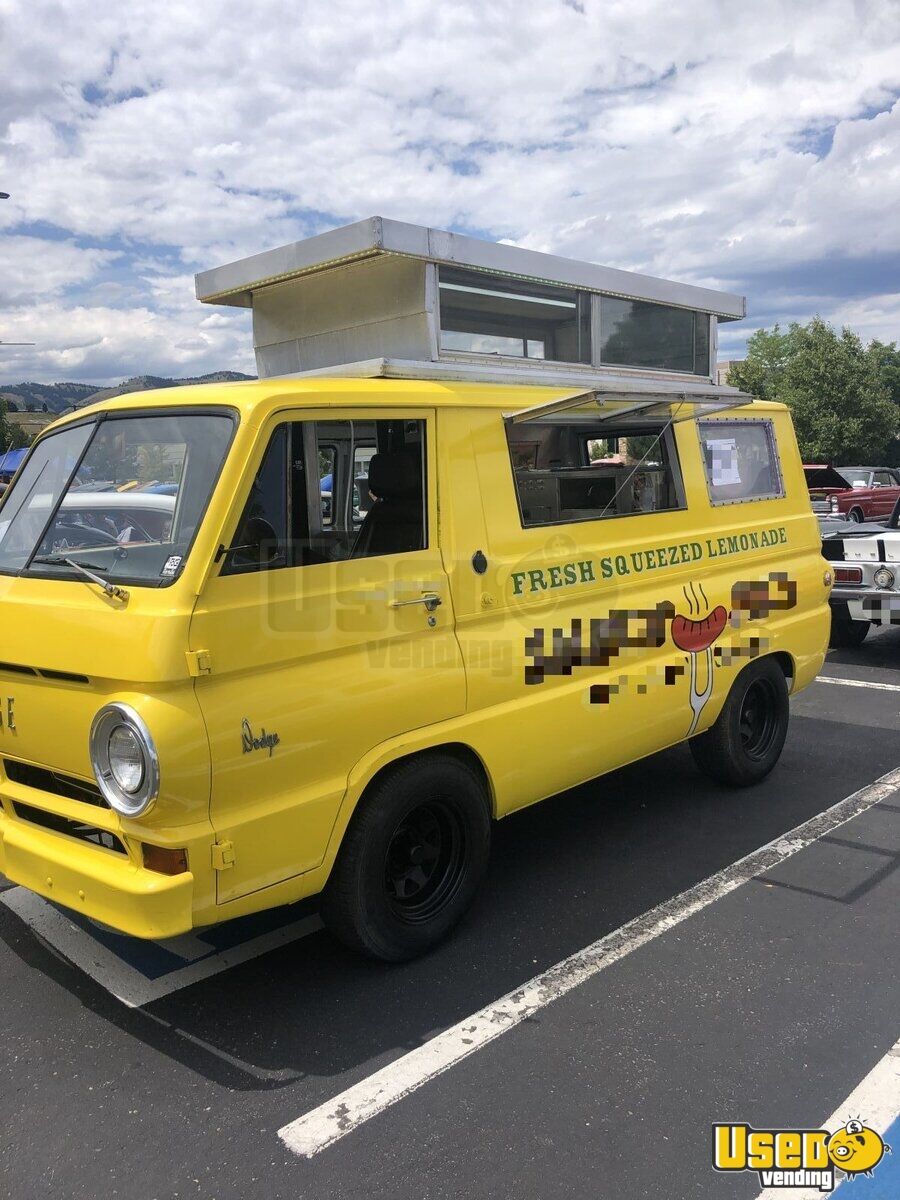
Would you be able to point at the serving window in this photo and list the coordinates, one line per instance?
(741, 461)
(486, 314)
(638, 333)
(567, 472)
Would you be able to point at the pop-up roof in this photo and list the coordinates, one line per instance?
(385, 297)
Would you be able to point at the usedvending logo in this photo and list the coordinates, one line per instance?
(790, 1158)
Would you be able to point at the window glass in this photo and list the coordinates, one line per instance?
(132, 506)
(487, 314)
(261, 540)
(370, 480)
(741, 461)
(29, 504)
(637, 333)
(566, 472)
(327, 461)
(884, 478)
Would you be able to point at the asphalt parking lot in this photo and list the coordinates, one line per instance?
(764, 996)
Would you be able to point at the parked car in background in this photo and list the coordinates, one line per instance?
(856, 493)
(865, 559)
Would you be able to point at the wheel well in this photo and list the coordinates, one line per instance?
(786, 663)
(458, 750)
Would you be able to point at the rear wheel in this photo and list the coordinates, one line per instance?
(745, 742)
(846, 631)
(411, 860)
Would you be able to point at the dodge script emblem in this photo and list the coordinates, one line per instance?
(250, 742)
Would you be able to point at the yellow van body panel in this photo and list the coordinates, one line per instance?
(552, 659)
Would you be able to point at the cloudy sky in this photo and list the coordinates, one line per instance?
(752, 146)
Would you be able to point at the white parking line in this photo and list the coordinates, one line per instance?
(322, 1126)
(126, 981)
(863, 683)
(875, 1102)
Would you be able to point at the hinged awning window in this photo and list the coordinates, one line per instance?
(610, 402)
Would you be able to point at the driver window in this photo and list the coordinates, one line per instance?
(332, 490)
(261, 539)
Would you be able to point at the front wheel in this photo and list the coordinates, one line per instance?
(746, 741)
(856, 515)
(411, 860)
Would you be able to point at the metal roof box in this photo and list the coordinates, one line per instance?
(381, 289)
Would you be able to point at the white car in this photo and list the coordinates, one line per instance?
(866, 564)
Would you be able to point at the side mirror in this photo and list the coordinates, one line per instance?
(259, 544)
(261, 540)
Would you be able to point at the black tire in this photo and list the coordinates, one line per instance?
(411, 860)
(856, 515)
(846, 631)
(745, 742)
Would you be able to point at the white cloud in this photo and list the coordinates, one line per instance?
(37, 267)
(722, 143)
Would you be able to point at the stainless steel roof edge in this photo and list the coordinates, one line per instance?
(233, 282)
(587, 378)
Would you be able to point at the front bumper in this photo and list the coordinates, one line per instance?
(105, 885)
(90, 881)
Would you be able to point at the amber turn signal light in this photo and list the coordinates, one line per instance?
(163, 860)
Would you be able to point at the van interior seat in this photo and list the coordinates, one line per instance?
(395, 522)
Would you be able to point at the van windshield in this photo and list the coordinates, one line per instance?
(123, 496)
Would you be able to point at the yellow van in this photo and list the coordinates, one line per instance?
(314, 633)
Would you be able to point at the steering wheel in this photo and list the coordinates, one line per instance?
(84, 539)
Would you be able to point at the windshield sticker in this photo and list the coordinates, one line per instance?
(590, 570)
(170, 567)
(698, 632)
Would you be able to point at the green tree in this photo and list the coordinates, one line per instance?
(837, 390)
(886, 359)
(12, 437)
(768, 353)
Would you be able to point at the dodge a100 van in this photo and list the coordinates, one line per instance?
(530, 568)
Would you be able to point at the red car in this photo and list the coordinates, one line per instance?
(854, 493)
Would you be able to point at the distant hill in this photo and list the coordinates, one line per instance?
(60, 396)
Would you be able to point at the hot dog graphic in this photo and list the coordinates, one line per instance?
(696, 637)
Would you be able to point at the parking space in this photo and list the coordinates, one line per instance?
(623, 981)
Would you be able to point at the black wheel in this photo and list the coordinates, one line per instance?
(846, 631)
(411, 860)
(745, 743)
(856, 515)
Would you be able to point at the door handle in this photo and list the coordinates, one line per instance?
(431, 600)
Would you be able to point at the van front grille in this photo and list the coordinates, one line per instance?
(74, 829)
(52, 782)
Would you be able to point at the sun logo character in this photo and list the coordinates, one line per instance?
(856, 1149)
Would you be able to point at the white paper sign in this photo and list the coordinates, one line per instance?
(725, 470)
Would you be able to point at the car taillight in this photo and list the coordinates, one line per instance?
(848, 574)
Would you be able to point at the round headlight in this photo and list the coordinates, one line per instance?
(124, 760)
(884, 577)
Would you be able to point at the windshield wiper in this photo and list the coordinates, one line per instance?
(58, 560)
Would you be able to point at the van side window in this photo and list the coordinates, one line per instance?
(741, 461)
(373, 492)
(568, 472)
(331, 490)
